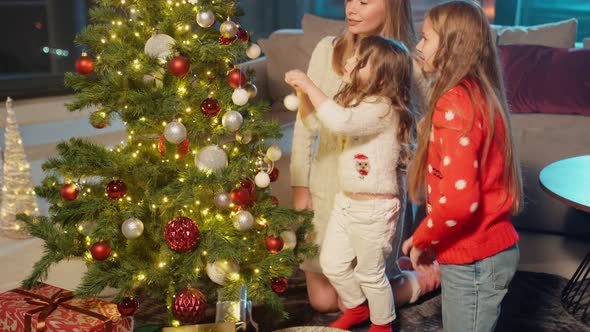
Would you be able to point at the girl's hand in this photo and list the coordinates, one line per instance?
(421, 259)
(407, 245)
(301, 198)
(298, 80)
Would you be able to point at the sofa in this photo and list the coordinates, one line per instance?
(548, 124)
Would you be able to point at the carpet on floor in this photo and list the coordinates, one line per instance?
(532, 304)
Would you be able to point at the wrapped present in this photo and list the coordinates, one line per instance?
(213, 327)
(47, 308)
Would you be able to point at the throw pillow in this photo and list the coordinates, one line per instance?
(315, 28)
(558, 34)
(542, 79)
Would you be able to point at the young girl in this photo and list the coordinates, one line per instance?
(466, 168)
(373, 114)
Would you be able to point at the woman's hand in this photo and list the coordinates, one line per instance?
(301, 198)
(299, 80)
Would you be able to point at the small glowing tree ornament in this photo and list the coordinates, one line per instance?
(291, 102)
(18, 194)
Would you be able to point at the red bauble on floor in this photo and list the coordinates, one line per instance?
(189, 305)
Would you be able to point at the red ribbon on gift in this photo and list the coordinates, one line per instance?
(48, 305)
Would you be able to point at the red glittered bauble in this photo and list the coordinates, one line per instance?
(182, 234)
(100, 250)
(179, 66)
(240, 196)
(226, 41)
(116, 189)
(279, 285)
(69, 191)
(248, 184)
(274, 244)
(236, 78)
(181, 150)
(210, 107)
(189, 305)
(274, 201)
(243, 35)
(84, 65)
(127, 306)
(274, 174)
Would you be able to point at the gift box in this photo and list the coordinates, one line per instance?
(213, 327)
(49, 308)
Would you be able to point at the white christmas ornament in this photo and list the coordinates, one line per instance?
(240, 97)
(132, 228)
(159, 46)
(262, 179)
(243, 220)
(220, 271)
(289, 239)
(291, 102)
(211, 158)
(222, 200)
(193, 2)
(205, 19)
(253, 51)
(175, 132)
(232, 120)
(274, 153)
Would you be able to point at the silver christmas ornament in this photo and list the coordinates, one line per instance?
(159, 46)
(245, 137)
(132, 228)
(264, 165)
(232, 120)
(251, 89)
(222, 200)
(175, 132)
(243, 220)
(220, 271)
(274, 153)
(240, 97)
(289, 239)
(205, 19)
(211, 158)
(228, 29)
(253, 51)
(262, 180)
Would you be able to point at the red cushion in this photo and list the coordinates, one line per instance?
(542, 79)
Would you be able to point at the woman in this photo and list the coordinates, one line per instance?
(311, 180)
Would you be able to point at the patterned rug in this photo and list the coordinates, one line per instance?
(532, 304)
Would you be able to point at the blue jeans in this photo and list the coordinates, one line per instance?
(472, 293)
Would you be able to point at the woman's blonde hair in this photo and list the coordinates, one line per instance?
(391, 78)
(467, 51)
(397, 25)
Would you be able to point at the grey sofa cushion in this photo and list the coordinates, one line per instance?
(559, 34)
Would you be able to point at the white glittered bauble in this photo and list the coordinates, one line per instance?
(228, 29)
(240, 97)
(159, 46)
(252, 90)
(205, 19)
(211, 158)
(222, 200)
(291, 102)
(253, 51)
(274, 153)
(232, 120)
(243, 220)
(262, 179)
(220, 271)
(132, 228)
(289, 239)
(175, 132)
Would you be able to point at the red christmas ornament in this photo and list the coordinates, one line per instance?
(236, 78)
(69, 191)
(116, 189)
(240, 196)
(243, 35)
(248, 184)
(182, 148)
(210, 107)
(226, 41)
(274, 174)
(84, 65)
(274, 244)
(274, 201)
(179, 65)
(162, 145)
(127, 306)
(100, 250)
(279, 285)
(189, 305)
(182, 234)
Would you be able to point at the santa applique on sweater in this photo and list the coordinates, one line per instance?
(362, 165)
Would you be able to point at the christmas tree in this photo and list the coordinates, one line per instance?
(18, 195)
(144, 214)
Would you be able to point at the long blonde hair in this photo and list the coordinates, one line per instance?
(467, 50)
(391, 78)
(398, 25)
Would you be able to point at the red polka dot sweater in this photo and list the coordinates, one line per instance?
(468, 206)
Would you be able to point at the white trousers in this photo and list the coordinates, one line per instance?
(357, 242)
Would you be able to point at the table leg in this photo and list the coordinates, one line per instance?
(573, 296)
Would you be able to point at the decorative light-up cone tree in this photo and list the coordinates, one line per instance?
(184, 208)
(18, 194)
